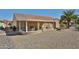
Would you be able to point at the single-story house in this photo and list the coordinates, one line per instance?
(26, 22)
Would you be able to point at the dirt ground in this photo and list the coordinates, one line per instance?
(45, 40)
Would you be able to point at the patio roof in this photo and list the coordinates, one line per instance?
(27, 17)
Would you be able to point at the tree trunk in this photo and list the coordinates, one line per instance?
(68, 24)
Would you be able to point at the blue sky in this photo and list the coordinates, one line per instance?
(55, 13)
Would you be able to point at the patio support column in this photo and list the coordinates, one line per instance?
(26, 27)
(19, 26)
(38, 25)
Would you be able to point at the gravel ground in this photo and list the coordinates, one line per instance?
(45, 40)
(4, 42)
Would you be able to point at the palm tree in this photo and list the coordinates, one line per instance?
(68, 16)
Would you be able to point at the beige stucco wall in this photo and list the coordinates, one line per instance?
(32, 26)
(57, 23)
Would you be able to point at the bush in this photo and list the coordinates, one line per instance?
(1, 27)
(77, 26)
(63, 26)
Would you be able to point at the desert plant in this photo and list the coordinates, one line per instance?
(67, 16)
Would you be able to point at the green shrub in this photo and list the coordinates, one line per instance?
(1, 27)
(62, 25)
(77, 26)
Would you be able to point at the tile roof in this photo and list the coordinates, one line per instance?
(27, 17)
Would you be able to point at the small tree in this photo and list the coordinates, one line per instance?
(67, 16)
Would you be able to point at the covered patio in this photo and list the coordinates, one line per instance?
(33, 25)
